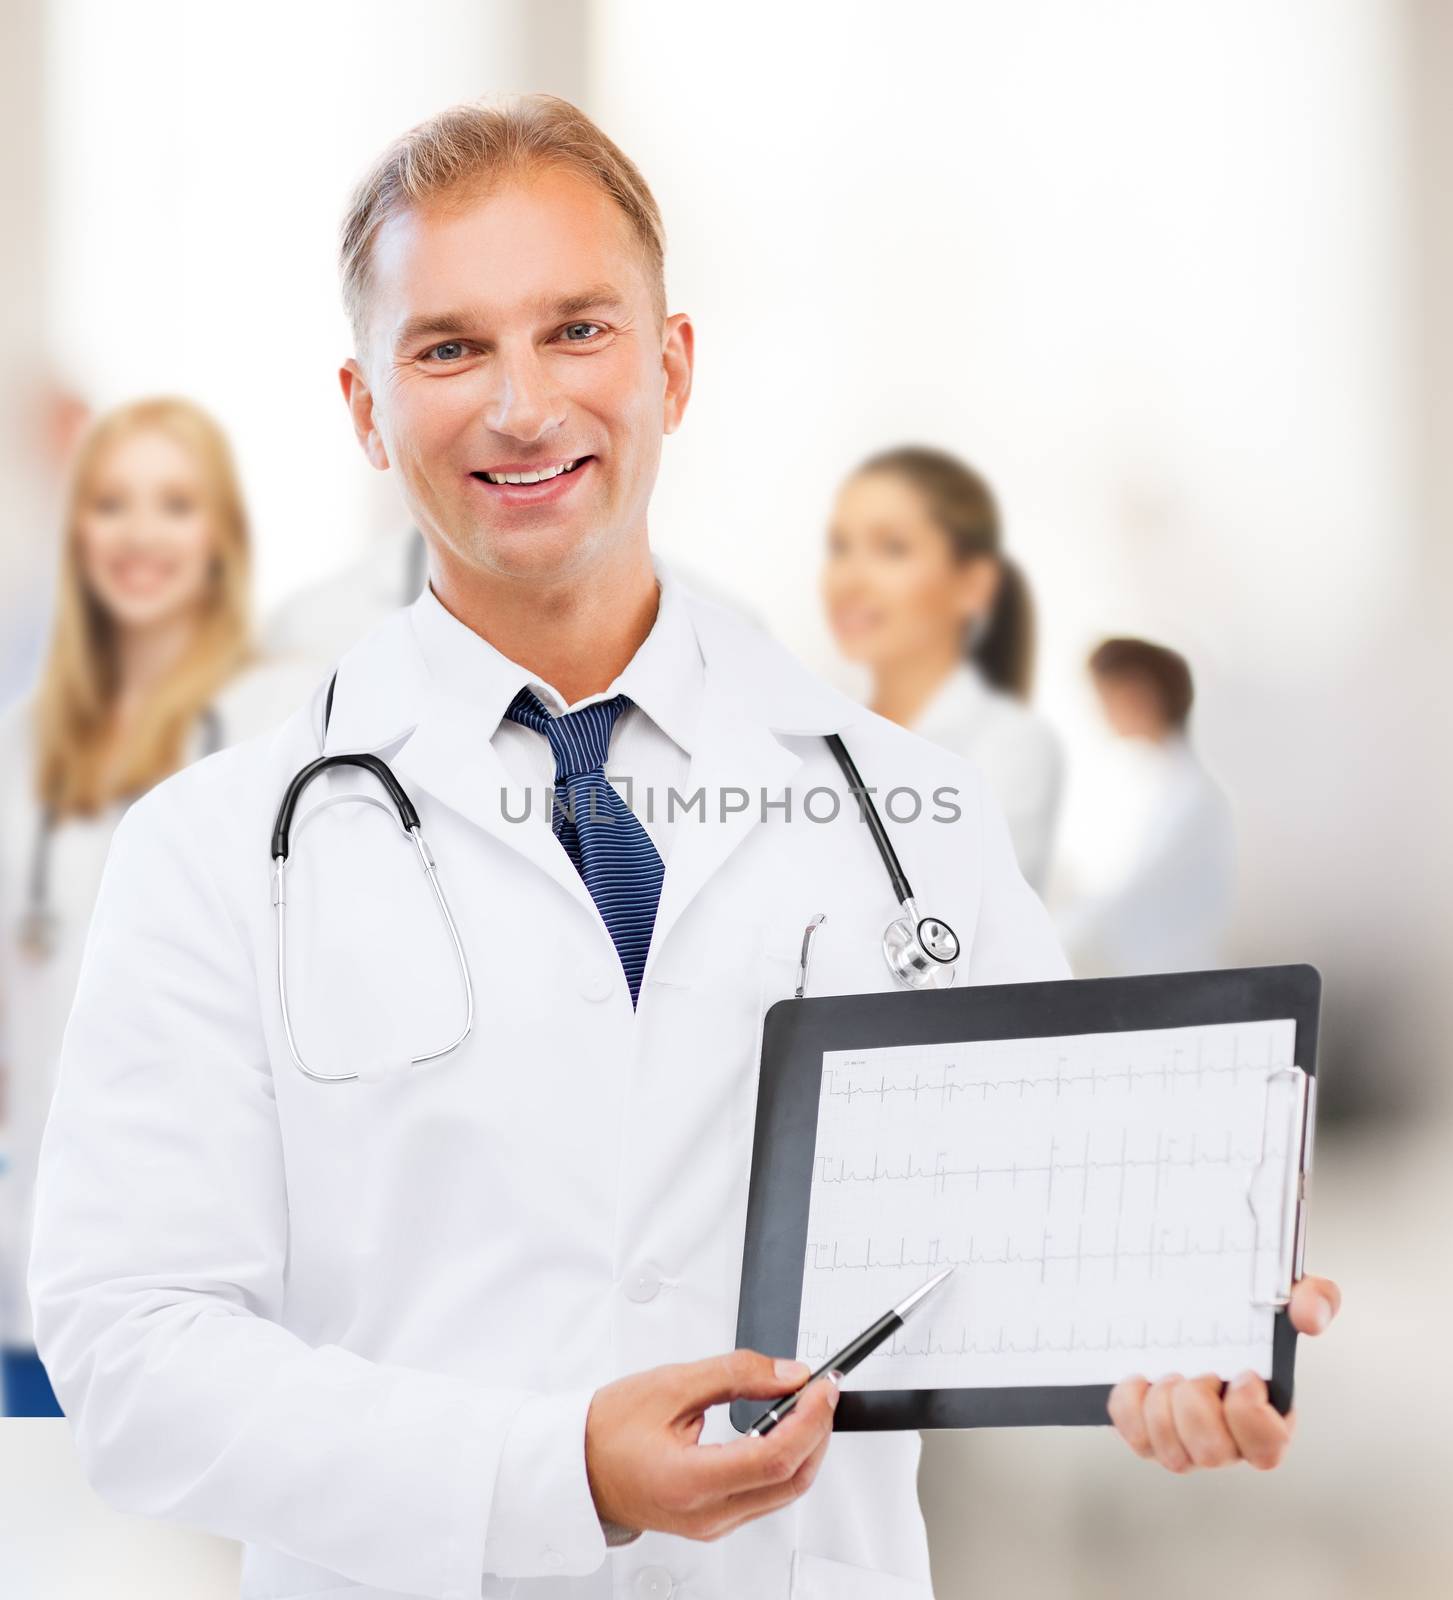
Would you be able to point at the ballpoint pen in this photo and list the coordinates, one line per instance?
(850, 1354)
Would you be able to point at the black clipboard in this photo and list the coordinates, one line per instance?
(797, 1033)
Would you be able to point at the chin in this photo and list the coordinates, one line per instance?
(861, 652)
(127, 611)
(529, 552)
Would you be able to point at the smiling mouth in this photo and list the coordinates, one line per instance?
(539, 475)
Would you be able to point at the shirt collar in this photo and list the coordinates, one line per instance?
(664, 678)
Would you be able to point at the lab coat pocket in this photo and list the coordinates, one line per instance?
(820, 1578)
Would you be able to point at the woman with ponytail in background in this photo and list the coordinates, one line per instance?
(149, 666)
(918, 589)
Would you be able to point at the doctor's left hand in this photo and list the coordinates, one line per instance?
(1184, 1423)
(647, 1470)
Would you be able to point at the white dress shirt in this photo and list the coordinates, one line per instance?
(651, 743)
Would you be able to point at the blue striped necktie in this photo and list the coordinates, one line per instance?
(610, 849)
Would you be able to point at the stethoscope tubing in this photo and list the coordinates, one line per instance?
(912, 963)
(896, 875)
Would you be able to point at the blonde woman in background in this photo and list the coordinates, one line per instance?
(919, 590)
(149, 666)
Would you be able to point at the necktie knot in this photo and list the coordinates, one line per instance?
(579, 740)
(606, 843)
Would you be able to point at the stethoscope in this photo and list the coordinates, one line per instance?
(920, 950)
(39, 931)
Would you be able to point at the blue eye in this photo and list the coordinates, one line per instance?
(572, 325)
(450, 350)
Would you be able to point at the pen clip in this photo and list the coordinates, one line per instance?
(816, 922)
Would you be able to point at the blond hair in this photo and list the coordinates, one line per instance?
(80, 766)
(474, 147)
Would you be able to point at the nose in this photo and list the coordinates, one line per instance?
(524, 401)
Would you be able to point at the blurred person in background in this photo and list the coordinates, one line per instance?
(323, 621)
(1168, 908)
(918, 589)
(149, 665)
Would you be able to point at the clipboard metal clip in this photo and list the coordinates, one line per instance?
(1277, 1193)
(816, 922)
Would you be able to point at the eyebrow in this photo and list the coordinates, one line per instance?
(599, 297)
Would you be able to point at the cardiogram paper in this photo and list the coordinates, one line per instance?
(1092, 1189)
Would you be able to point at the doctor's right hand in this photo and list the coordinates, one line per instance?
(647, 1470)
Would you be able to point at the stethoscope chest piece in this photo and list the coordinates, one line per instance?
(920, 951)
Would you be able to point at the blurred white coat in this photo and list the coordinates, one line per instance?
(1018, 753)
(35, 991)
(1173, 881)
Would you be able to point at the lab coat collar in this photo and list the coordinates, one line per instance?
(754, 691)
(769, 684)
(440, 705)
(384, 681)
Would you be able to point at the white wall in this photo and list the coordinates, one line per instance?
(24, 551)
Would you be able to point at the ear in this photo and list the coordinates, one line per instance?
(678, 355)
(358, 397)
(976, 587)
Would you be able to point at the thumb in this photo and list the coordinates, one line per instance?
(738, 1375)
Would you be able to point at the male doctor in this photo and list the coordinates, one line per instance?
(453, 1330)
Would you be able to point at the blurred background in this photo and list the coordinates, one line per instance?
(1177, 278)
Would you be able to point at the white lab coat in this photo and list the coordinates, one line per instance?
(1017, 751)
(358, 1325)
(35, 994)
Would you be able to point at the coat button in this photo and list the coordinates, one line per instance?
(642, 1285)
(596, 983)
(653, 1583)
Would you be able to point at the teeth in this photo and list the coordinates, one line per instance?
(530, 477)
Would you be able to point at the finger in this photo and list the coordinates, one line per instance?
(1160, 1425)
(1127, 1413)
(1314, 1302)
(1260, 1431)
(714, 1471)
(1196, 1409)
(754, 1503)
(738, 1375)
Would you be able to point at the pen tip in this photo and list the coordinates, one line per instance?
(923, 1291)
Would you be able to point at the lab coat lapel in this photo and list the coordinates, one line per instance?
(449, 756)
(755, 690)
(738, 766)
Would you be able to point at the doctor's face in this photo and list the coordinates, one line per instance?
(514, 334)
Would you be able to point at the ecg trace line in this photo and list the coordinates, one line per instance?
(946, 1090)
(824, 1258)
(812, 1344)
(940, 1172)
